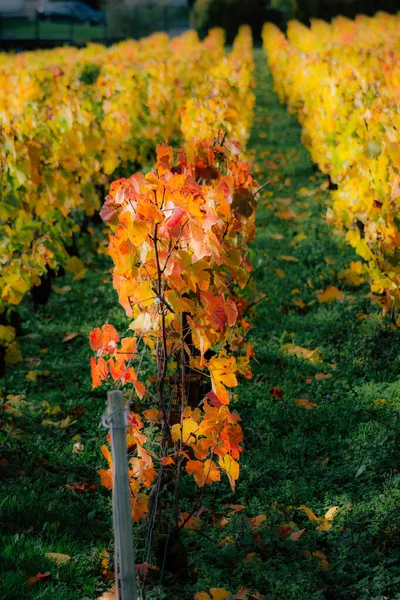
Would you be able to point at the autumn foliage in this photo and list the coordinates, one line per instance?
(179, 245)
(341, 79)
(74, 117)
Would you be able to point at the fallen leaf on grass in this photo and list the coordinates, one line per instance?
(280, 273)
(61, 290)
(304, 403)
(189, 522)
(70, 336)
(109, 595)
(34, 361)
(304, 192)
(256, 521)
(330, 294)
(286, 215)
(300, 303)
(58, 558)
(38, 577)
(296, 535)
(215, 594)
(322, 376)
(60, 424)
(33, 375)
(234, 507)
(311, 516)
(276, 236)
(276, 392)
(80, 487)
(311, 355)
(322, 556)
(288, 258)
(252, 556)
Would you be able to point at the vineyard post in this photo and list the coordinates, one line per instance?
(125, 570)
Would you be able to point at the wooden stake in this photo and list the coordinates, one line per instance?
(125, 570)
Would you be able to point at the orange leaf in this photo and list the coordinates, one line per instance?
(38, 577)
(106, 478)
(152, 415)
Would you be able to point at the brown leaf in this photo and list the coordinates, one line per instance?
(34, 361)
(146, 569)
(322, 376)
(276, 392)
(80, 487)
(304, 403)
(234, 507)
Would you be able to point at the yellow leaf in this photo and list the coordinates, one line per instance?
(312, 355)
(31, 376)
(61, 290)
(219, 594)
(110, 162)
(309, 512)
(280, 273)
(202, 596)
(189, 427)
(75, 265)
(331, 293)
(231, 468)
(331, 513)
(288, 258)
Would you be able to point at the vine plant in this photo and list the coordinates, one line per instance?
(179, 240)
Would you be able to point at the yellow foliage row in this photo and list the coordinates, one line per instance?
(342, 80)
(75, 116)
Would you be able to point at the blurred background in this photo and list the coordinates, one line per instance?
(30, 24)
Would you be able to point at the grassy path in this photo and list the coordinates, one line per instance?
(341, 453)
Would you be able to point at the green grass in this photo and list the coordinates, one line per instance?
(344, 452)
